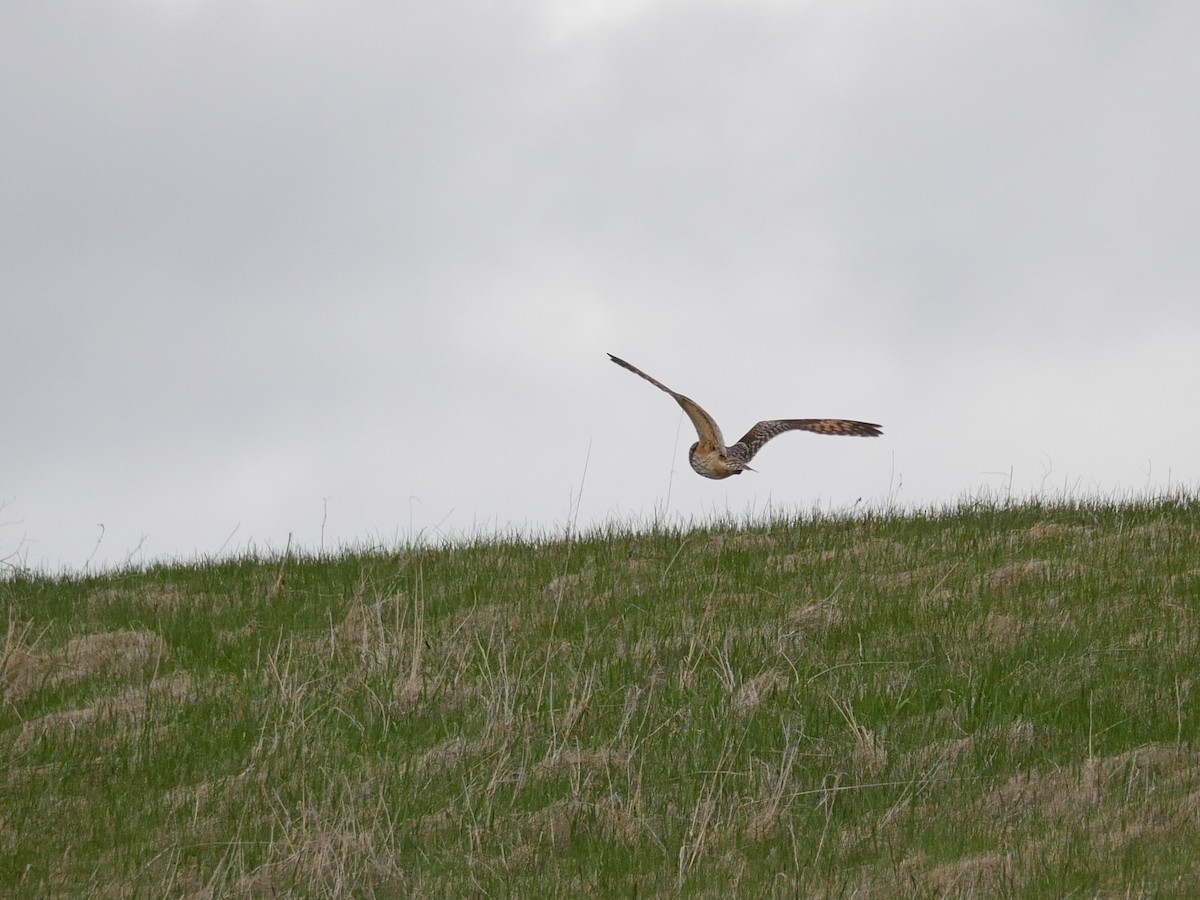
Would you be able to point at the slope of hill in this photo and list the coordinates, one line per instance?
(986, 700)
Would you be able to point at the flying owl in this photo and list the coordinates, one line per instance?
(711, 458)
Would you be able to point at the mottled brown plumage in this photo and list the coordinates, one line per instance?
(711, 458)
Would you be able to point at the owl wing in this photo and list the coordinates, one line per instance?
(754, 439)
(707, 430)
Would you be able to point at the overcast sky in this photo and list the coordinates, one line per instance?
(349, 270)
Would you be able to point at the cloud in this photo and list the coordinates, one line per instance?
(268, 261)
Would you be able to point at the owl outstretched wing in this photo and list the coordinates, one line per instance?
(707, 430)
(754, 439)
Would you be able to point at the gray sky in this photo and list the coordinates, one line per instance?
(276, 267)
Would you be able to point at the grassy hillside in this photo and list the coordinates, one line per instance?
(987, 701)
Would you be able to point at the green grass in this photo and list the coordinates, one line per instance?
(987, 701)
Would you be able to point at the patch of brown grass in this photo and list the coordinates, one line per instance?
(751, 540)
(970, 876)
(334, 862)
(1062, 795)
(156, 597)
(815, 616)
(544, 831)
(568, 585)
(126, 710)
(877, 550)
(118, 654)
(575, 760)
(868, 557)
(1001, 630)
(750, 694)
(789, 563)
(717, 601)
(872, 550)
(480, 621)
(938, 760)
(1020, 572)
(906, 578)
(1056, 531)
